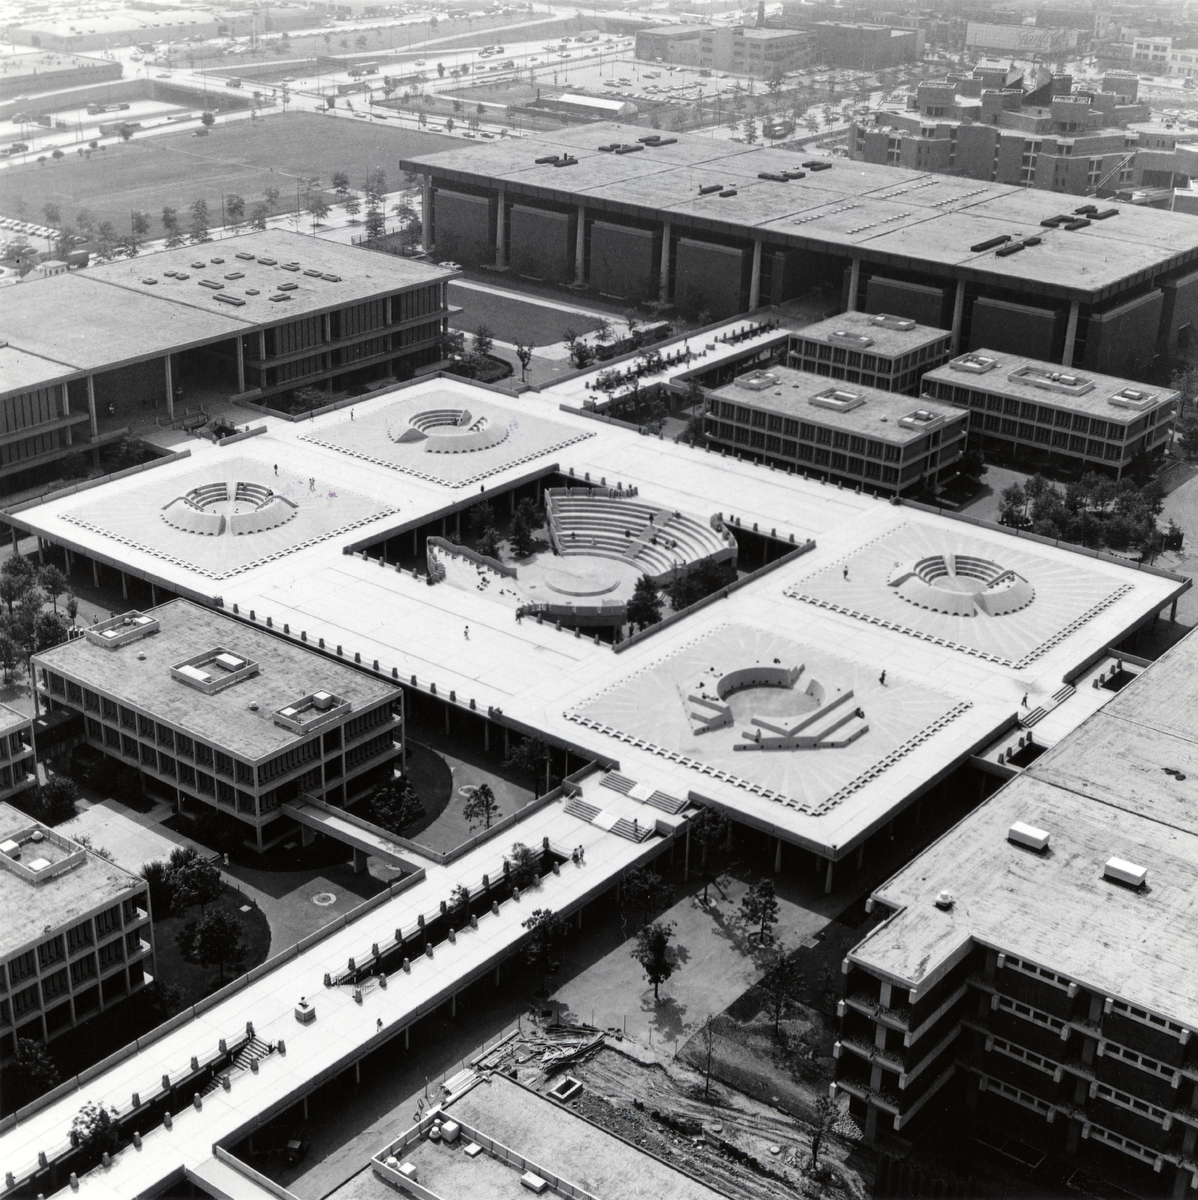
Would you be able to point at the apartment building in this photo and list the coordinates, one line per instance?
(1033, 978)
(846, 433)
(1022, 409)
(76, 936)
(877, 350)
(216, 713)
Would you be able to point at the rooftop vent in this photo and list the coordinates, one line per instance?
(236, 301)
(838, 399)
(1134, 398)
(1105, 214)
(149, 279)
(1028, 835)
(331, 278)
(1078, 223)
(707, 189)
(1119, 870)
(890, 321)
(198, 265)
(922, 418)
(214, 670)
(1052, 381)
(311, 274)
(268, 262)
(727, 192)
(976, 364)
(757, 381)
(235, 275)
(210, 283)
(989, 243)
(244, 256)
(288, 287)
(311, 712)
(944, 900)
(120, 631)
(845, 337)
(217, 261)
(289, 266)
(281, 296)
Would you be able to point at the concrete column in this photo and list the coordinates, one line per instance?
(500, 231)
(95, 573)
(958, 315)
(415, 541)
(828, 880)
(854, 284)
(778, 857)
(262, 348)
(580, 244)
(1070, 335)
(153, 595)
(170, 387)
(91, 403)
(486, 735)
(240, 365)
(664, 287)
(305, 1108)
(861, 856)
(124, 586)
(426, 213)
(686, 859)
(447, 718)
(358, 1071)
(406, 1034)
(453, 1005)
(755, 279)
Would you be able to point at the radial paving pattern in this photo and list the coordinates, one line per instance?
(1003, 602)
(652, 709)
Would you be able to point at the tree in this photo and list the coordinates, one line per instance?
(480, 807)
(53, 582)
(449, 124)
(523, 541)
(139, 225)
(480, 516)
(488, 542)
(524, 354)
(197, 231)
(157, 875)
(217, 940)
(826, 1115)
(234, 209)
(440, 70)
(196, 882)
(706, 577)
(782, 983)
(54, 801)
(458, 908)
(548, 932)
(749, 129)
(645, 890)
(318, 208)
(271, 195)
(1013, 506)
(972, 464)
(482, 341)
(524, 867)
(644, 606)
(52, 213)
(93, 1131)
(1187, 433)
(31, 1073)
(452, 344)
(376, 220)
(581, 354)
(50, 629)
(352, 206)
(396, 806)
(760, 907)
(710, 830)
(360, 42)
(207, 119)
(12, 589)
(56, 155)
(657, 957)
(258, 216)
(170, 226)
(9, 654)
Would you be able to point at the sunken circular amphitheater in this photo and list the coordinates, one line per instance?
(209, 509)
(450, 431)
(962, 585)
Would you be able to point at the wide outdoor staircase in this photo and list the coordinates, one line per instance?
(655, 540)
(628, 787)
(1042, 710)
(243, 1059)
(634, 831)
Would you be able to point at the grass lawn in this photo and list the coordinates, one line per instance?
(515, 320)
(245, 157)
(194, 981)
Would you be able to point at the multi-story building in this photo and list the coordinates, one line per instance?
(859, 45)
(1030, 411)
(18, 767)
(1000, 126)
(1023, 41)
(879, 350)
(254, 317)
(1034, 973)
(216, 713)
(76, 936)
(677, 44)
(850, 434)
(760, 52)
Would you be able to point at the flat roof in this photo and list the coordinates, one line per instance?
(38, 61)
(139, 674)
(141, 308)
(878, 417)
(890, 215)
(1096, 401)
(1106, 791)
(887, 336)
(61, 900)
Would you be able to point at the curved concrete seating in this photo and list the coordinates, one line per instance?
(961, 585)
(254, 493)
(451, 431)
(208, 493)
(183, 514)
(273, 512)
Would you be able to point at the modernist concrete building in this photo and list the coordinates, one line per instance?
(728, 227)
(855, 44)
(1031, 411)
(877, 351)
(76, 936)
(18, 769)
(213, 713)
(1034, 969)
(846, 433)
(254, 316)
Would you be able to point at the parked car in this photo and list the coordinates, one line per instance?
(297, 1146)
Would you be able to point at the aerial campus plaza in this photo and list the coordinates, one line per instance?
(872, 655)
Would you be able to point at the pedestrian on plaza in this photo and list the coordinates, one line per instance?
(882, 679)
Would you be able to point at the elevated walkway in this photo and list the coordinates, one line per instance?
(345, 827)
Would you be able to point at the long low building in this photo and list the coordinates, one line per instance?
(88, 353)
(723, 227)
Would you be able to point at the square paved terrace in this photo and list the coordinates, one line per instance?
(883, 582)
(433, 437)
(300, 511)
(663, 707)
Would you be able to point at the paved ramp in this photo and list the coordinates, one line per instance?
(353, 831)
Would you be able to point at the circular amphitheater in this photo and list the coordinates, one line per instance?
(961, 585)
(449, 431)
(210, 509)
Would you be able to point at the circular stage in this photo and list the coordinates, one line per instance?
(450, 431)
(961, 585)
(210, 509)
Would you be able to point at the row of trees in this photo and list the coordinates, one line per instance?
(25, 627)
(645, 604)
